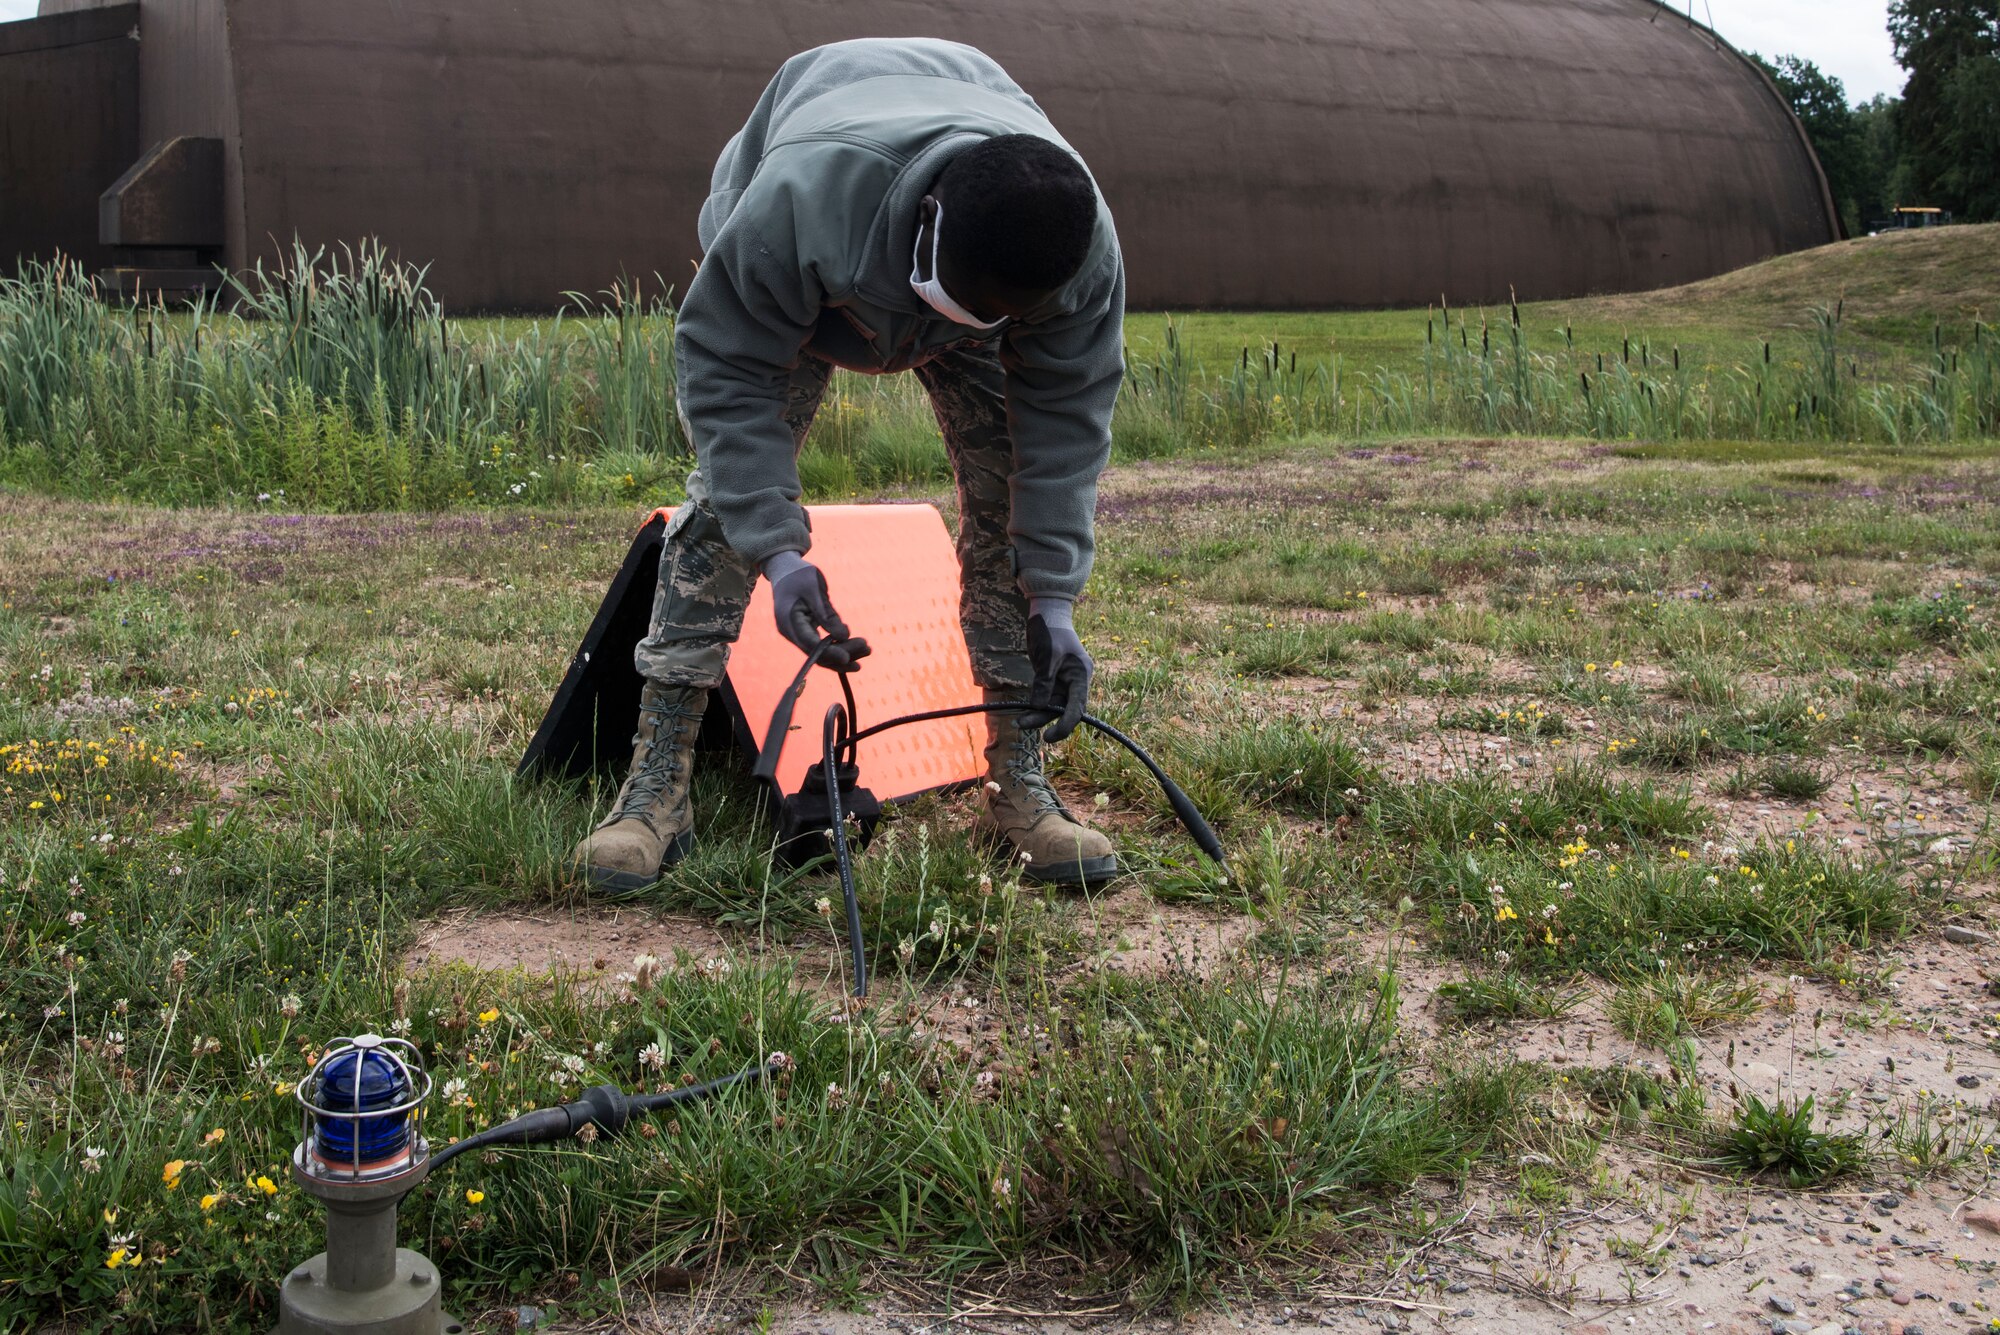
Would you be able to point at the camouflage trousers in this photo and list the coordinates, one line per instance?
(705, 585)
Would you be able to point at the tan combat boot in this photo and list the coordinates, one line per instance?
(1023, 809)
(651, 827)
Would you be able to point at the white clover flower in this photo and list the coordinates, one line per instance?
(652, 1057)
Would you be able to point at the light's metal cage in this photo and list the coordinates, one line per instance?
(362, 1110)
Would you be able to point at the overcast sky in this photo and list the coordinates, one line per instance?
(1848, 39)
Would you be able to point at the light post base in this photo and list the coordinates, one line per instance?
(409, 1304)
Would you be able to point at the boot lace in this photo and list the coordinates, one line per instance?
(1024, 767)
(662, 764)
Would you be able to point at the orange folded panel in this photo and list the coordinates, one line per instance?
(892, 573)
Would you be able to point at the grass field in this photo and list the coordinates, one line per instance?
(340, 385)
(1593, 803)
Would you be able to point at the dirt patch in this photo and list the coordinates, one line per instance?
(1689, 1256)
(591, 946)
(1133, 933)
(1926, 1036)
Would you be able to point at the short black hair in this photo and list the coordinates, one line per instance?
(1018, 209)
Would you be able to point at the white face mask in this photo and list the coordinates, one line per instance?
(931, 290)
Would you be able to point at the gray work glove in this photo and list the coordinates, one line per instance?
(1062, 670)
(800, 602)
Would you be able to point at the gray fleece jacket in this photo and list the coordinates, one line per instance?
(807, 234)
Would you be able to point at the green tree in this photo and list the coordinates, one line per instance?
(1972, 139)
(1948, 119)
(1820, 102)
(1883, 169)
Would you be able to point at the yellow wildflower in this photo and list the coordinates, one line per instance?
(474, 1197)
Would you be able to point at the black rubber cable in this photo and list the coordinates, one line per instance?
(840, 740)
(1184, 807)
(606, 1107)
(837, 723)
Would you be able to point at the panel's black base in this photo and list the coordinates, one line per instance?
(590, 722)
(803, 835)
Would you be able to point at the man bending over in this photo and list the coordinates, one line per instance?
(891, 205)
